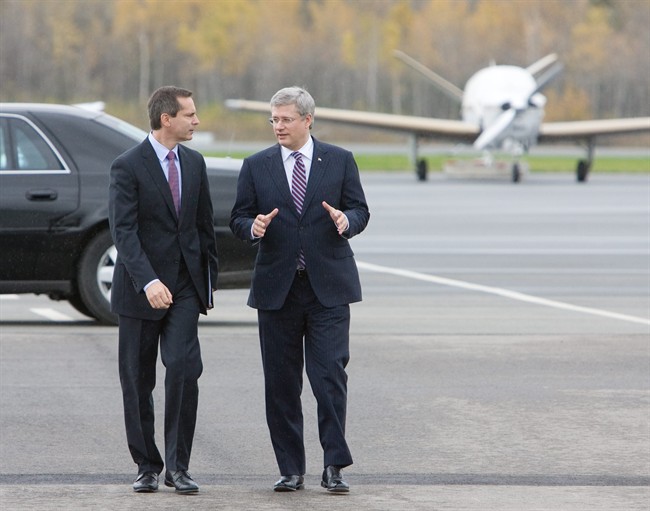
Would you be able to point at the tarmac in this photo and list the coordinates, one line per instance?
(500, 362)
(363, 497)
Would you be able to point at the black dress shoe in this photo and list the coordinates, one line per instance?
(333, 480)
(289, 483)
(146, 482)
(182, 481)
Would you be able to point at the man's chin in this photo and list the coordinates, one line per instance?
(283, 141)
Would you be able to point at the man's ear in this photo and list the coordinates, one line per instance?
(165, 120)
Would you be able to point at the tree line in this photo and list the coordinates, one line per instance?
(118, 51)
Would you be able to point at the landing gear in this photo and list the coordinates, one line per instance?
(421, 169)
(584, 166)
(582, 171)
(420, 163)
(516, 172)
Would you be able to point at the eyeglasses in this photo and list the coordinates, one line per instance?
(274, 121)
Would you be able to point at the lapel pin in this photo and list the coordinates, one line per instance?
(319, 159)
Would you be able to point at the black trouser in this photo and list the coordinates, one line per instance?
(325, 352)
(181, 356)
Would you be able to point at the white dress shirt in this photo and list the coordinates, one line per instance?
(161, 153)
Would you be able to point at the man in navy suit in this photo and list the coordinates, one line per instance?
(301, 200)
(160, 214)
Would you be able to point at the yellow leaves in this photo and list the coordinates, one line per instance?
(341, 49)
(591, 39)
(349, 49)
(571, 105)
(339, 30)
(395, 31)
(67, 38)
(216, 34)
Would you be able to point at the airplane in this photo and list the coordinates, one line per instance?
(501, 109)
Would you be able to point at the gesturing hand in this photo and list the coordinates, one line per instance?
(159, 296)
(261, 222)
(340, 220)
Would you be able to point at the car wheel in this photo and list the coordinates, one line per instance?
(95, 275)
(75, 301)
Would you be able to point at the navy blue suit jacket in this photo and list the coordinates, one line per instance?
(262, 187)
(150, 238)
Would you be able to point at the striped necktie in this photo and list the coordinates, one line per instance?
(298, 190)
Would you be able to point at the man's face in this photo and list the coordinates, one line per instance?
(182, 126)
(291, 130)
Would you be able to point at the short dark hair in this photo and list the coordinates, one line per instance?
(164, 101)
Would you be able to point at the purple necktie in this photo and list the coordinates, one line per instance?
(298, 190)
(173, 181)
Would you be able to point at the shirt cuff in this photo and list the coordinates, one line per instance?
(153, 281)
(347, 221)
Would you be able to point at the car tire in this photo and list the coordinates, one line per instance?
(94, 277)
(75, 301)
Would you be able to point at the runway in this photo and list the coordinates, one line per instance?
(500, 361)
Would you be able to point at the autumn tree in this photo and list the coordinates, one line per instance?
(341, 50)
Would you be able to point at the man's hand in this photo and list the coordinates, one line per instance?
(340, 220)
(261, 222)
(159, 296)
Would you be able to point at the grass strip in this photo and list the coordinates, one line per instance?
(400, 162)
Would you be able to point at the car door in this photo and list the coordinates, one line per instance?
(37, 188)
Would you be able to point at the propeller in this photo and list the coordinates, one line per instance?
(445, 86)
(494, 130)
(511, 109)
(548, 75)
(546, 68)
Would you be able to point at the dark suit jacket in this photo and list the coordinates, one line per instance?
(263, 186)
(149, 238)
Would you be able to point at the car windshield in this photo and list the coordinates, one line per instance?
(122, 126)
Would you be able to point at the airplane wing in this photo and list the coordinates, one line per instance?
(581, 130)
(459, 130)
(422, 126)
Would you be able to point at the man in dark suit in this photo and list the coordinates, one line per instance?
(160, 214)
(301, 201)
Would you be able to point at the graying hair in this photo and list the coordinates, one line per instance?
(298, 96)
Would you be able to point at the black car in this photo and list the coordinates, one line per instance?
(54, 174)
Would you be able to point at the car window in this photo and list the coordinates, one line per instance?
(92, 145)
(22, 147)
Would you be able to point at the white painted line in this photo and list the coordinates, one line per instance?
(499, 291)
(8, 297)
(503, 251)
(51, 314)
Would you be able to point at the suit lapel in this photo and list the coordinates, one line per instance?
(188, 177)
(278, 174)
(316, 172)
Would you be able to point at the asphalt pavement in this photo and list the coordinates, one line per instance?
(500, 361)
